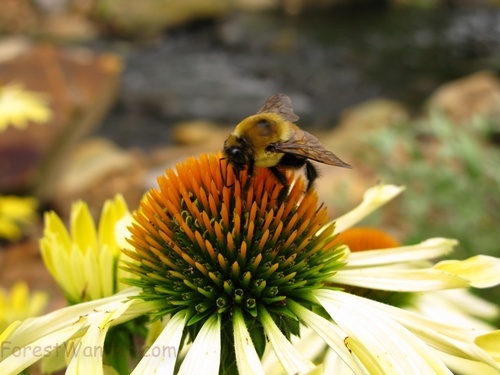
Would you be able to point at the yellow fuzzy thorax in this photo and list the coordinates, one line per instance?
(260, 131)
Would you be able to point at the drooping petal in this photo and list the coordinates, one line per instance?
(467, 367)
(35, 328)
(481, 271)
(381, 344)
(88, 359)
(32, 352)
(333, 364)
(399, 280)
(456, 306)
(204, 356)
(291, 359)
(247, 358)
(159, 359)
(491, 343)
(328, 331)
(5, 335)
(428, 249)
(448, 338)
(372, 199)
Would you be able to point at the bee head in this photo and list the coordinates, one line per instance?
(237, 151)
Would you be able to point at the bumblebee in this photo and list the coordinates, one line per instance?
(270, 139)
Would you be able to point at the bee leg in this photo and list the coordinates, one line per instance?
(311, 174)
(280, 176)
(250, 170)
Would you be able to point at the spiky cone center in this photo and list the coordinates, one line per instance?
(209, 241)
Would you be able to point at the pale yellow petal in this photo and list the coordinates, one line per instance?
(372, 199)
(428, 249)
(247, 358)
(25, 355)
(204, 355)
(291, 359)
(491, 343)
(399, 280)
(385, 347)
(481, 271)
(331, 334)
(5, 335)
(161, 357)
(88, 359)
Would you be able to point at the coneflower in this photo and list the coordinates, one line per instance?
(236, 269)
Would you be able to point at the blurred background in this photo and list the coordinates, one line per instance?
(98, 97)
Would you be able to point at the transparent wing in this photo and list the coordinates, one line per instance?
(281, 105)
(307, 145)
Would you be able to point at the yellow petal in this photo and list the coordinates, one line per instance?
(291, 359)
(4, 336)
(481, 271)
(372, 199)
(332, 335)
(491, 343)
(247, 358)
(18, 361)
(386, 347)
(83, 228)
(204, 355)
(399, 280)
(428, 249)
(89, 355)
(112, 212)
(161, 357)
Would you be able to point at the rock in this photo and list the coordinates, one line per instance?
(357, 122)
(80, 85)
(199, 132)
(342, 189)
(96, 170)
(68, 27)
(150, 17)
(476, 94)
(18, 16)
(48, 19)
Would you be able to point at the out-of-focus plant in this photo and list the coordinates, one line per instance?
(16, 215)
(454, 167)
(452, 172)
(18, 304)
(19, 106)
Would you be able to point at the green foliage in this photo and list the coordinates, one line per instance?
(452, 174)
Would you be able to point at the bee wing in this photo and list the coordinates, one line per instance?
(280, 104)
(307, 145)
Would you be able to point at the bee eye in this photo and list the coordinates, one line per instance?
(237, 156)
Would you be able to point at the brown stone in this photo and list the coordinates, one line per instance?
(97, 170)
(80, 85)
(476, 94)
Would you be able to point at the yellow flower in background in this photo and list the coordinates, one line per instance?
(16, 214)
(238, 270)
(19, 106)
(85, 262)
(18, 304)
